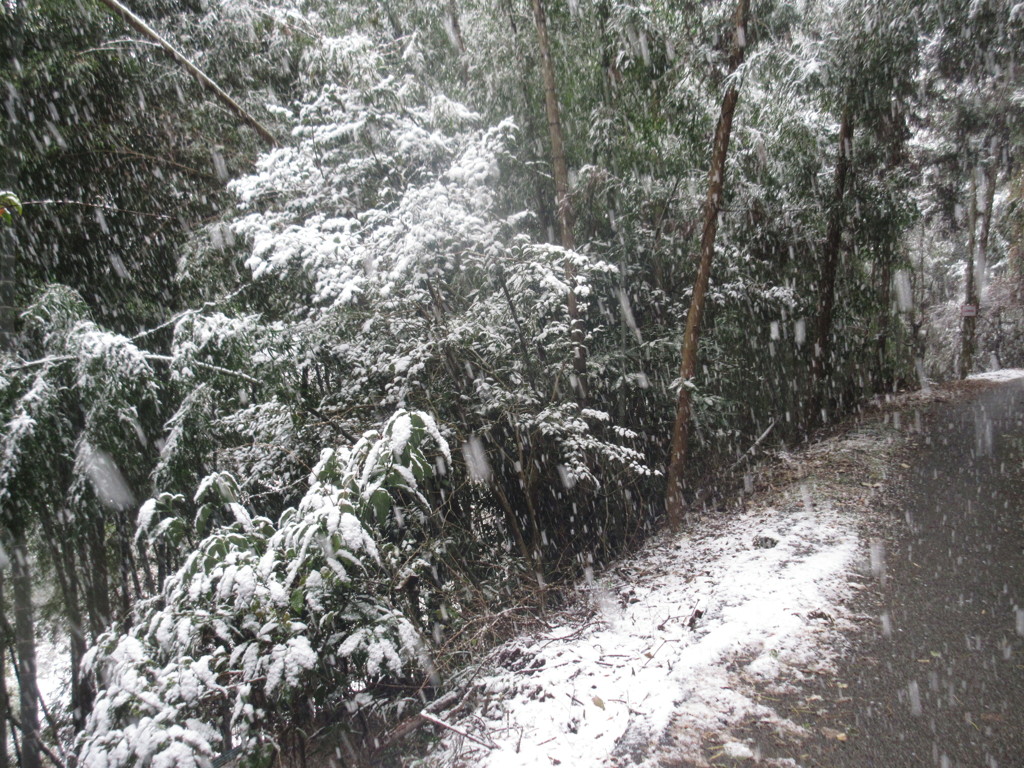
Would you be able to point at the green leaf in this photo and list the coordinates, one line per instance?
(9, 202)
(176, 531)
(380, 503)
(203, 518)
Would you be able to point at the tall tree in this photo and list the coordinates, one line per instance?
(25, 646)
(820, 362)
(969, 319)
(11, 46)
(979, 226)
(674, 500)
(872, 61)
(12, 530)
(566, 215)
(5, 639)
(973, 120)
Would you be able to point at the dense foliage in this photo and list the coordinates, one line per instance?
(277, 422)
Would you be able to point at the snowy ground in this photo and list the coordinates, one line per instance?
(53, 670)
(659, 658)
(1004, 374)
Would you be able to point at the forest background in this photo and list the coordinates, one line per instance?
(294, 391)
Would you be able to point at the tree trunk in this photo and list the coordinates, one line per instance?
(397, 30)
(81, 688)
(98, 589)
(10, 164)
(163, 564)
(627, 327)
(545, 214)
(674, 501)
(143, 28)
(5, 702)
(62, 557)
(146, 567)
(529, 485)
(821, 363)
(129, 569)
(895, 134)
(25, 644)
(917, 318)
(969, 321)
(566, 217)
(985, 222)
(455, 28)
(62, 554)
(883, 381)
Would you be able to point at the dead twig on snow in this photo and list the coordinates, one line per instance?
(455, 729)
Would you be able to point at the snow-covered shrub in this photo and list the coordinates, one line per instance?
(267, 624)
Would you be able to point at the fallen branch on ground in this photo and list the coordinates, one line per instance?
(751, 449)
(455, 729)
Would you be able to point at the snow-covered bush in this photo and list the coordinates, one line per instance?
(267, 624)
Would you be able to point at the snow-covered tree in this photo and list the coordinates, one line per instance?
(409, 285)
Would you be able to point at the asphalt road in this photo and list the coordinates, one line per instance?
(938, 680)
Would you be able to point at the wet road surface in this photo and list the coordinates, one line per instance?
(938, 680)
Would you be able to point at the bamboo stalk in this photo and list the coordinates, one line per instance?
(143, 28)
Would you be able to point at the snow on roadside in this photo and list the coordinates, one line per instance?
(1004, 374)
(666, 647)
